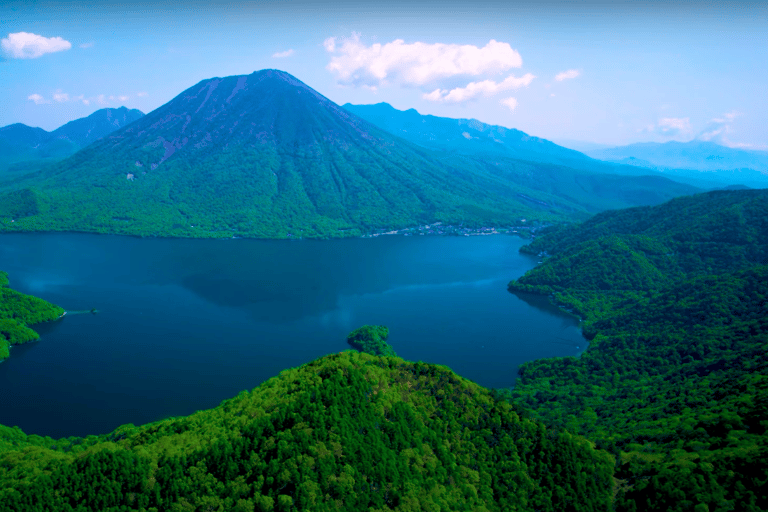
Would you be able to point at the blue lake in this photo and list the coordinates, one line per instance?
(184, 324)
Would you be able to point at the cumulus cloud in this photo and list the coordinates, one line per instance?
(510, 103)
(567, 75)
(717, 129)
(415, 64)
(474, 89)
(281, 55)
(672, 127)
(24, 45)
(39, 100)
(61, 97)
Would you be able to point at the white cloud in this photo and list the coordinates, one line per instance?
(281, 55)
(567, 75)
(39, 100)
(717, 129)
(416, 64)
(510, 103)
(672, 127)
(61, 97)
(474, 89)
(87, 45)
(86, 102)
(23, 45)
(101, 99)
(141, 94)
(123, 98)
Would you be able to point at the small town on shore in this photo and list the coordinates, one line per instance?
(438, 228)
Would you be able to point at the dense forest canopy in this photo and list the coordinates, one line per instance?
(675, 382)
(372, 339)
(348, 431)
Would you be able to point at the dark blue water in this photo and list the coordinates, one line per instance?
(185, 324)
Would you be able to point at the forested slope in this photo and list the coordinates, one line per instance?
(348, 431)
(675, 381)
(17, 312)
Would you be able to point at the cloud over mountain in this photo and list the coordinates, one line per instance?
(25, 45)
(474, 89)
(415, 64)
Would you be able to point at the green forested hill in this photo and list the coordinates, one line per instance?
(346, 432)
(675, 381)
(17, 312)
(264, 155)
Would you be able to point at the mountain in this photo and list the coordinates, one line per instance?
(675, 380)
(23, 147)
(264, 155)
(101, 123)
(348, 431)
(466, 136)
(473, 138)
(708, 160)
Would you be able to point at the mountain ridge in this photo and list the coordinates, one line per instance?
(24, 148)
(264, 155)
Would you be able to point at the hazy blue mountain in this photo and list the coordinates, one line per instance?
(707, 160)
(472, 137)
(264, 155)
(466, 136)
(25, 148)
(85, 130)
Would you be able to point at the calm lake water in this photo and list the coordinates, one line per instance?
(185, 324)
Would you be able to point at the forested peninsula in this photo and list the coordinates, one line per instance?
(675, 381)
(17, 313)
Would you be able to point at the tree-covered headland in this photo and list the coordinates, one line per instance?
(19, 311)
(675, 381)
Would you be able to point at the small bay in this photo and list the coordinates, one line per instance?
(183, 324)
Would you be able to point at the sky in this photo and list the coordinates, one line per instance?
(576, 72)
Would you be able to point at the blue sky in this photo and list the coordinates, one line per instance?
(603, 72)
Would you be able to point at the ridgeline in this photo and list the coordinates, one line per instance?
(675, 381)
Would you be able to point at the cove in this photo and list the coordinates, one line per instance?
(183, 324)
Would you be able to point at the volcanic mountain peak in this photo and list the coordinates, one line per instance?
(267, 107)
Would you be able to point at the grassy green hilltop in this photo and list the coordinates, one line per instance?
(17, 312)
(675, 381)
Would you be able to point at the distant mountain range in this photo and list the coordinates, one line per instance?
(264, 155)
(468, 136)
(22, 146)
(673, 160)
(695, 159)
